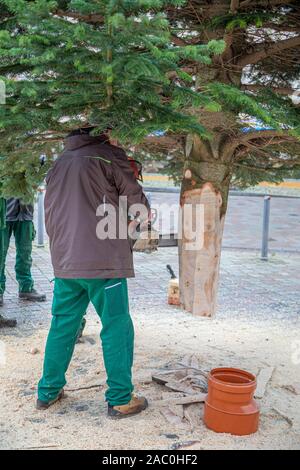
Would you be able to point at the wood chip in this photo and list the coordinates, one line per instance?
(171, 415)
(284, 416)
(159, 379)
(186, 360)
(180, 387)
(34, 351)
(194, 362)
(293, 388)
(189, 445)
(199, 398)
(183, 377)
(192, 413)
(87, 387)
(164, 376)
(199, 371)
(264, 376)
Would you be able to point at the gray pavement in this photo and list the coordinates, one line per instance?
(250, 289)
(243, 224)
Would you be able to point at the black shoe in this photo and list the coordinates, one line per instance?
(1, 300)
(44, 405)
(33, 296)
(7, 322)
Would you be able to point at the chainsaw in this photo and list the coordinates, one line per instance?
(148, 239)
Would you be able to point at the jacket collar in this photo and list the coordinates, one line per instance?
(77, 141)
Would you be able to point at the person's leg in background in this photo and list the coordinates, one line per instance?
(81, 329)
(110, 299)
(70, 302)
(5, 234)
(24, 235)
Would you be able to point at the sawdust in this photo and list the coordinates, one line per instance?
(79, 420)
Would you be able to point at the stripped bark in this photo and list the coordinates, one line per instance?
(199, 265)
(203, 206)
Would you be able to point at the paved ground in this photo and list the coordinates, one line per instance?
(243, 226)
(257, 325)
(249, 288)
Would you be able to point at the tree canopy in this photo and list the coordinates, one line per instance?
(153, 70)
(106, 63)
(256, 128)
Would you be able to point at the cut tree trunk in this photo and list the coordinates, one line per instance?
(203, 206)
(199, 261)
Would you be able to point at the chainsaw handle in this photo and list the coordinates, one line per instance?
(173, 276)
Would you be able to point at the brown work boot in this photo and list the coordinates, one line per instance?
(135, 406)
(33, 296)
(44, 405)
(7, 322)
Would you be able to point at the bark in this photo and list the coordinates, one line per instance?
(268, 51)
(204, 191)
(285, 91)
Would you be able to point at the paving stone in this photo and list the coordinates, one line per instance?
(249, 287)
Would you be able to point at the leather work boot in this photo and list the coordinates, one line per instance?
(7, 322)
(44, 405)
(33, 296)
(135, 406)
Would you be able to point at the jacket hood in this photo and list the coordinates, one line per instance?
(77, 141)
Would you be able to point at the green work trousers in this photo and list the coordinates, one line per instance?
(70, 301)
(23, 232)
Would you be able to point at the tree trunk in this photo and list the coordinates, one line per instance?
(204, 196)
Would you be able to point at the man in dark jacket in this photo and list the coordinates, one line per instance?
(88, 268)
(19, 222)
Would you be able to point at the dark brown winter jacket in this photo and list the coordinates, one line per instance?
(89, 172)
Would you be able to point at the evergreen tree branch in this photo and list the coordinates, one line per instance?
(265, 138)
(234, 6)
(285, 91)
(266, 134)
(90, 19)
(264, 3)
(268, 51)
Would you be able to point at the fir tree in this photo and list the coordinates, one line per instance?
(255, 127)
(106, 63)
(121, 63)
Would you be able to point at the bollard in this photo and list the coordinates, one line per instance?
(40, 220)
(266, 226)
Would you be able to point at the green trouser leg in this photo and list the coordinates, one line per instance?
(117, 336)
(5, 235)
(110, 299)
(24, 234)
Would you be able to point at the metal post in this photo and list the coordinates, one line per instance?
(266, 226)
(149, 197)
(40, 219)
